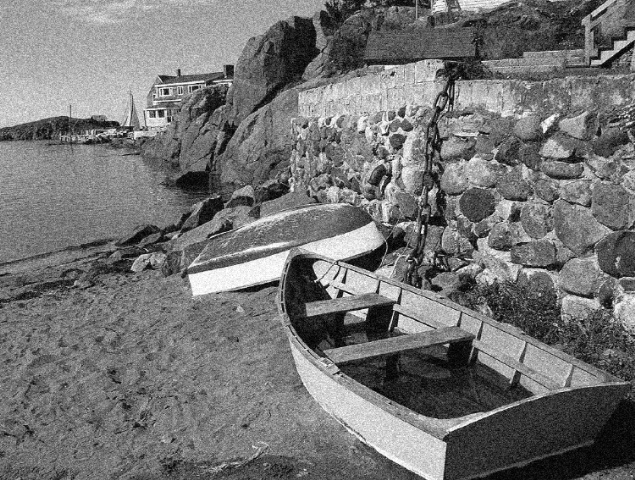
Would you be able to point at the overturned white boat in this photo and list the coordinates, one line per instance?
(255, 254)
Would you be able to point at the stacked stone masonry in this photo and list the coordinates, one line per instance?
(541, 192)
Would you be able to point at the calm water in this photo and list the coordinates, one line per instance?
(52, 197)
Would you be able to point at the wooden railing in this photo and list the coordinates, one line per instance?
(593, 25)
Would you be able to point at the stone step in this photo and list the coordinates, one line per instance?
(527, 69)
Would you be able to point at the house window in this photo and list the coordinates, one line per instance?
(152, 114)
(179, 90)
(164, 92)
(193, 88)
(161, 113)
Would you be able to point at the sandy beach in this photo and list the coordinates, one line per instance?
(111, 374)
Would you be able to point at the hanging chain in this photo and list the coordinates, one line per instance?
(445, 99)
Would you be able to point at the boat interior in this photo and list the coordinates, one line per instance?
(416, 348)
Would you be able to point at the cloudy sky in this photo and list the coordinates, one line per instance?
(90, 53)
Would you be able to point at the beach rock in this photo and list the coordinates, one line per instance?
(581, 276)
(537, 283)
(528, 128)
(202, 212)
(559, 147)
(139, 233)
(625, 313)
(269, 62)
(536, 219)
(152, 239)
(508, 152)
(453, 243)
(157, 259)
(511, 186)
(609, 142)
(500, 237)
(539, 253)
(577, 191)
(477, 204)
(546, 189)
(577, 308)
(454, 179)
(562, 170)
(272, 189)
(613, 206)
(457, 148)
(616, 254)
(261, 147)
(483, 173)
(576, 227)
(530, 156)
(582, 127)
(245, 196)
(141, 263)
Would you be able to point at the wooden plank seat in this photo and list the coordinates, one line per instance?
(393, 345)
(346, 304)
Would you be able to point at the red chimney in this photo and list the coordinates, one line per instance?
(178, 72)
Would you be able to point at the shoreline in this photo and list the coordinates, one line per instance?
(129, 376)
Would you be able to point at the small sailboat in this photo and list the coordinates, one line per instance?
(131, 121)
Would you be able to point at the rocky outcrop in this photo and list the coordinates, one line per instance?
(51, 128)
(270, 62)
(195, 135)
(201, 138)
(261, 146)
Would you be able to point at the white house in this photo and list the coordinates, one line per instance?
(166, 95)
(442, 6)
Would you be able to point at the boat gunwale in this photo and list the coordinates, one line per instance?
(439, 428)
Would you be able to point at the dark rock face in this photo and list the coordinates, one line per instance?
(262, 145)
(202, 212)
(138, 234)
(576, 227)
(541, 253)
(269, 62)
(477, 204)
(612, 206)
(616, 254)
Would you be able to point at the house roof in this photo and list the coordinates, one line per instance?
(441, 43)
(198, 77)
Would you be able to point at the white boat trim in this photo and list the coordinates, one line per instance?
(268, 269)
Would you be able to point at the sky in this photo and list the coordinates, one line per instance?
(90, 53)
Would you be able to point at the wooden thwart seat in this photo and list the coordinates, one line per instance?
(389, 346)
(346, 304)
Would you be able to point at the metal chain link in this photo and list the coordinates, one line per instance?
(445, 99)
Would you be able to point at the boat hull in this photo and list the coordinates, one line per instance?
(566, 416)
(259, 259)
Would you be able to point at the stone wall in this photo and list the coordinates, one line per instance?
(414, 84)
(547, 199)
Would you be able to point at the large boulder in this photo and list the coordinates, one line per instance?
(616, 254)
(269, 62)
(576, 227)
(261, 147)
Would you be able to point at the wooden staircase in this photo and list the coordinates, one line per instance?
(620, 45)
(609, 16)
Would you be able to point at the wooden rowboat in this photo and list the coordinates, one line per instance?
(442, 390)
(255, 253)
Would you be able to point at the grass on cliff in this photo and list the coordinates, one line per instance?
(599, 340)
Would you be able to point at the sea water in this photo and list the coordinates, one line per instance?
(55, 196)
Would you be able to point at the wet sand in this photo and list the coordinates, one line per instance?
(133, 378)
